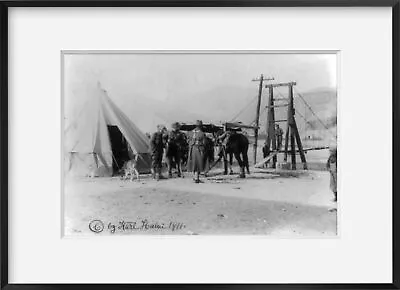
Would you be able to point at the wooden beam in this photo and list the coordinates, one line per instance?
(266, 159)
(277, 106)
(277, 121)
(264, 79)
(280, 85)
(239, 125)
(307, 149)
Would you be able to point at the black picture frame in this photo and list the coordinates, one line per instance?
(394, 4)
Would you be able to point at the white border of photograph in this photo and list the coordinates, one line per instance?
(193, 52)
(39, 254)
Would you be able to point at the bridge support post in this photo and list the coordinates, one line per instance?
(292, 133)
(260, 89)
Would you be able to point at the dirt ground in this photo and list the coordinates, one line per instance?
(267, 202)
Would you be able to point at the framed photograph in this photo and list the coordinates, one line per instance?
(226, 142)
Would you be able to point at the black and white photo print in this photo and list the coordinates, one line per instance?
(200, 143)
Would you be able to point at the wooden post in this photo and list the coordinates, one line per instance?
(260, 88)
(293, 149)
(286, 142)
(291, 126)
(305, 123)
(295, 130)
(300, 146)
(268, 123)
(271, 124)
(287, 131)
(292, 135)
(287, 138)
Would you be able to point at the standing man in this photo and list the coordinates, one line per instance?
(226, 150)
(157, 144)
(175, 149)
(332, 167)
(222, 141)
(197, 162)
(266, 151)
(278, 137)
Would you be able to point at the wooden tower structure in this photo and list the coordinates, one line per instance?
(292, 136)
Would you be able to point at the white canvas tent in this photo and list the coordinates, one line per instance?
(101, 138)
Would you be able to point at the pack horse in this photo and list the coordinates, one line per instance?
(235, 144)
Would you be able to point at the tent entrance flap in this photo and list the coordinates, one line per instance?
(119, 148)
(102, 128)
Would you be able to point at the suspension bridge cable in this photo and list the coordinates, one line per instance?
(309, 107)
(304, 118)
(243, 109)
(261, 113)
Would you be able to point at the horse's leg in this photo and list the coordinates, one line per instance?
(212, 157)
(206, 160)
(225, 165)
(246, 161)
(230, 163)
(178, 165)
(169, 164)
(241, 164)
(222, 154)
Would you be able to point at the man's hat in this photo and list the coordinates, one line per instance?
(175, 125)
(199, 123)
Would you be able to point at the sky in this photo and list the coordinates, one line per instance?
(153, 88)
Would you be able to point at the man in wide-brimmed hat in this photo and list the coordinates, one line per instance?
(332, 167)
(157, 144)
(197, 162)
(176, 146)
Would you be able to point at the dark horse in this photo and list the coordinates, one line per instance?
(209, 150)
(176, 151)
(236, 144)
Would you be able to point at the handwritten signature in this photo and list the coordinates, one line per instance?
(98, 226)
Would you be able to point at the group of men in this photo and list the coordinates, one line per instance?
(177, 150)
(175, 143)
(278, 139)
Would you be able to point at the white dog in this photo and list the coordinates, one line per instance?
(130, 168)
